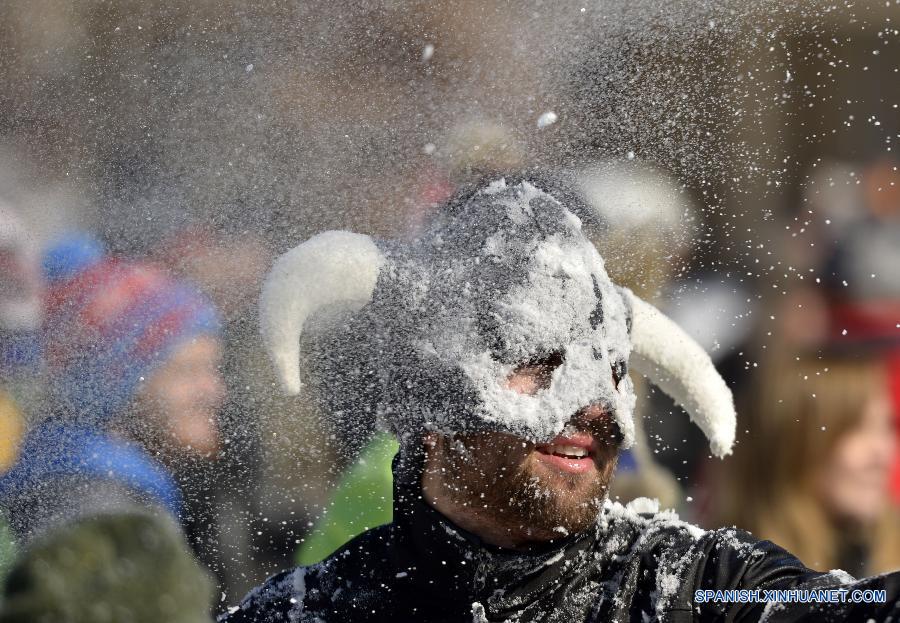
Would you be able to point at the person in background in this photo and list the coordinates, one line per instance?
(134, 386)
(862, 285)
(21, 315)
(248, 513)
(825, 427)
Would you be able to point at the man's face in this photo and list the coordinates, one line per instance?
(538, 492)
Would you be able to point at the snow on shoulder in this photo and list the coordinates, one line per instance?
(645, 514)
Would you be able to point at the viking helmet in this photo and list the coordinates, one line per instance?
(503, 276)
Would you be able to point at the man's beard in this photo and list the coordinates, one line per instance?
(499, 476)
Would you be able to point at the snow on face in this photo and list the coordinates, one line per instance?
(504, 278)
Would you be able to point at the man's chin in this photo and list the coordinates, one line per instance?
(550, 497)
(526, 487)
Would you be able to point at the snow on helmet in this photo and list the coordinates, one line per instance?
(503, 276)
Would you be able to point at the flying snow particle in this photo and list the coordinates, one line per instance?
(787, 76)
(844, 332)
(249, 68)
(548, 118)
(427, 53)
(630, 155)
(429, 148)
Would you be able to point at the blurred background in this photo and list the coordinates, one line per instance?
(154, 160)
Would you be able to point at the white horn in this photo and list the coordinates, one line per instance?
(337, 269)
(675, 363)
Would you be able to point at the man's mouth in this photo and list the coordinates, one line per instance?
(565, 451)
(569, 453)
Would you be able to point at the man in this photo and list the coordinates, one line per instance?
(497, 349)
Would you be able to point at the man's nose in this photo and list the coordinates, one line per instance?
(591, 412)
(600, 422)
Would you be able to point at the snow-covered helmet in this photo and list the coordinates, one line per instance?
(503, 276)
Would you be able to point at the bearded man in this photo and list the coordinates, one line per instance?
(497, 350)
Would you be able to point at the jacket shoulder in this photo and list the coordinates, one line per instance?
(271, 602)
(317, 592)
(660, 561)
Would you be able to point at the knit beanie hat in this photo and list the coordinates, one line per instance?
(110, 323)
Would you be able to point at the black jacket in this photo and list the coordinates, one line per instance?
(631, 567)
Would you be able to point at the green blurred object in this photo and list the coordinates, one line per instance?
(127, 568)
(363, 499)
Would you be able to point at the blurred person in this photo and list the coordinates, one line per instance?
(21, 314)
(227, 268)
(862, 283)
(133, 359)
(826, 427)
(109, 568)
(250, 512)
(496, 349)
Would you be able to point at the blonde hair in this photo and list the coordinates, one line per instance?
(799, 412)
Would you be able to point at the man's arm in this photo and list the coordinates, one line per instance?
(779, 587)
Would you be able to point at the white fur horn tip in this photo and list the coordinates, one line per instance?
(334, 269)
(675, 363)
